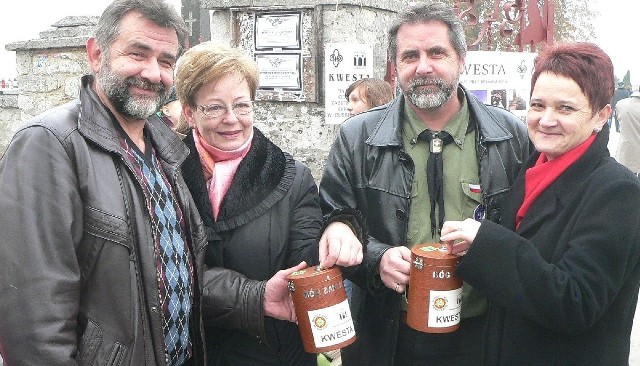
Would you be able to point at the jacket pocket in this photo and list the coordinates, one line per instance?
(472, 189)
(117, 354)
(106, 226)
(103, 227)
(89, 343)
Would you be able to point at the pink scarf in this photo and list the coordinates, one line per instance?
(219, 167)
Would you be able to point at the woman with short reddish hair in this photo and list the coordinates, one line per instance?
(562, 269)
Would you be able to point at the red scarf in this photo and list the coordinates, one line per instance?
(544, 172)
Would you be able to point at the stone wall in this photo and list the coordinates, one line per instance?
(299, 127)
(49, 67)
(9, 118)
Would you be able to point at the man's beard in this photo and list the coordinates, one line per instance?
(426, 98)
(117, 90)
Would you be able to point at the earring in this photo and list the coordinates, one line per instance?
(596, 130)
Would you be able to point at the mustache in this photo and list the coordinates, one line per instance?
(426, 81)
(145, 84)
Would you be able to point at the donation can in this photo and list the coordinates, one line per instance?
(435, 292)
(322, 309)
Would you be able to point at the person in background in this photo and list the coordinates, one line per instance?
(436, 152)
(171, 110)
(628, 115)
(562, 269)
(103, 249)
(620, 93)
(260, 208)
(367, 93)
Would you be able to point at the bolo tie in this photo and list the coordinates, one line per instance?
(435, 174)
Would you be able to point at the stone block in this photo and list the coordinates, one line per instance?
(77, 21)
(68, 32)
(62, 62)
(40, 83)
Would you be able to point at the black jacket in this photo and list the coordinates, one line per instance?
(564, 286)
(78, 282)
(268, 220)
(368, 170)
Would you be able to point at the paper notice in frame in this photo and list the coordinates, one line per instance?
(280, 71)
(277, 30)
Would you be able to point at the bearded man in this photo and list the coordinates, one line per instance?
(435, 153)
(102, 251)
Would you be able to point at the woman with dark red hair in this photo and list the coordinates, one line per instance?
(562, 269)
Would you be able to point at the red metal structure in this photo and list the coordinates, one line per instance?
(535, 19)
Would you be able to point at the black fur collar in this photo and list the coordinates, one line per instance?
(263, 177)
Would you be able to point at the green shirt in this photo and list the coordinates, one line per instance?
(461, 185)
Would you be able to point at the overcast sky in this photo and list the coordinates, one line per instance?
(616, 28)
(21, 21)
(617, 33)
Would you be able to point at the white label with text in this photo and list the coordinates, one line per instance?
(444, 308)
(331, 325)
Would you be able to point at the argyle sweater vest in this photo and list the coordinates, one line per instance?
(173, 264)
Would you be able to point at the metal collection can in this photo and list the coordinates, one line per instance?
(322, 309)
(435, 292)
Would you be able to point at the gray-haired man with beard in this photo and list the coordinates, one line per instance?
(102, 247)
(436, 153)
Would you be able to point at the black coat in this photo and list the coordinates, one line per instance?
(564, 286)
(269, 220)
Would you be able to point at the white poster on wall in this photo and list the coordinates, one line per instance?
(501, 79)
(344, 63)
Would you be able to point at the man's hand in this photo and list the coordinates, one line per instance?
(394, 268)
(339, 246)
(277, 301)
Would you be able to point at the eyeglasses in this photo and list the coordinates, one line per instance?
(218, 110)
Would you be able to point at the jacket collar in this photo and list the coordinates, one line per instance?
(95, 124)
(263, 177)
(388, 131)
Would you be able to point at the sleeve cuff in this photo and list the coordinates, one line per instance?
(352, 218)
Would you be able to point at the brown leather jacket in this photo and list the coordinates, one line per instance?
(77, 269)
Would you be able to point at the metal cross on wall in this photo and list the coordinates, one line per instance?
(189, 21)
(192, 17)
